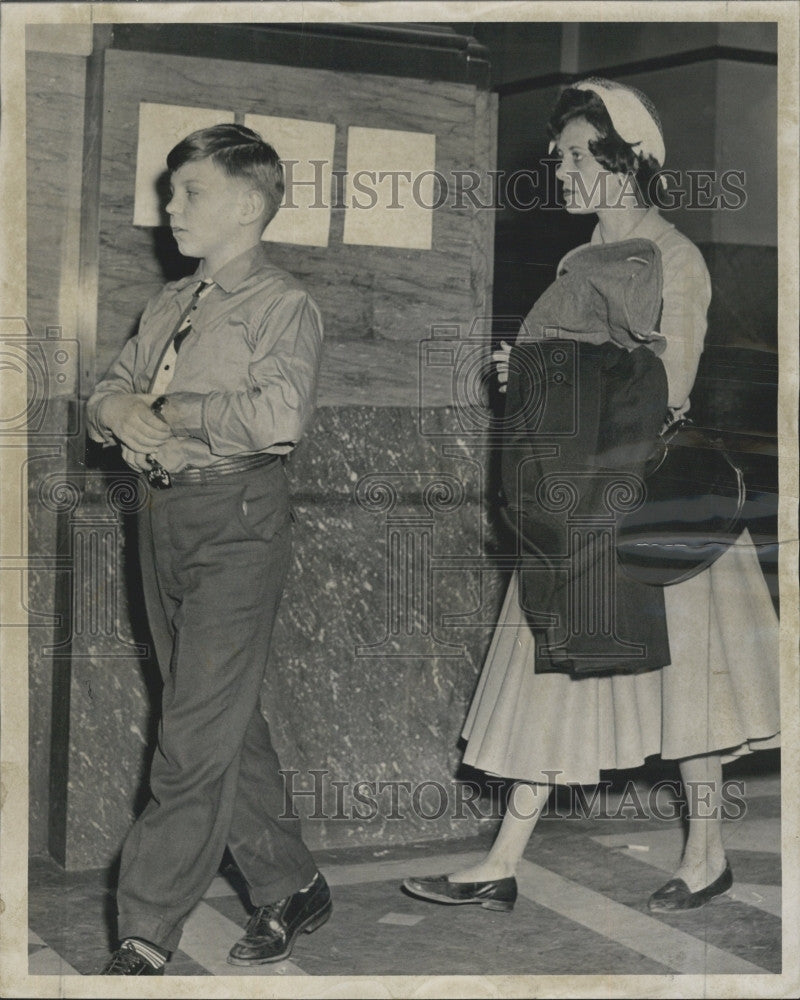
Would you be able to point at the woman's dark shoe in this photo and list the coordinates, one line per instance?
(500, 894)
(675, 895)
(271, 930)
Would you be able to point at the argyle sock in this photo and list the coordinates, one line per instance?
(150, 953)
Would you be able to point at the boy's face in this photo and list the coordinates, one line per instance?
(204, 210)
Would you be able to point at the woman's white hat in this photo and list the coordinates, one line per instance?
(632, 114)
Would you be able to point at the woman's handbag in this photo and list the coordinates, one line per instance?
(692, 509)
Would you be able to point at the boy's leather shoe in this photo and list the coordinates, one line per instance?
(500, 894)
(127, 962)
(271, 930)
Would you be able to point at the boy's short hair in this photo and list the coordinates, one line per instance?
(241, 153)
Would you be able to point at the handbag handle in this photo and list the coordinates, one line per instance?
(664, 440)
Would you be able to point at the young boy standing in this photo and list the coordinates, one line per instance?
(218, 383)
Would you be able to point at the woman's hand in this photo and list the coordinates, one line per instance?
(500, 359)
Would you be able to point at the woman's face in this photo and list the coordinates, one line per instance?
(588, 186)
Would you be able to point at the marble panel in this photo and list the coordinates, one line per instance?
(85, 664)
(55, 96)
(39, 584)
(39, 607)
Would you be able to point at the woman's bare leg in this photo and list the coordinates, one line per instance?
(704, 855)
(525, 805)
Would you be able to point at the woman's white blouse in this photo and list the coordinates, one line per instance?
(686, 297)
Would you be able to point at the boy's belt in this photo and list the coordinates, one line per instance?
(160, 479)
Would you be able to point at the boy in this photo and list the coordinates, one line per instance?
(218, 383)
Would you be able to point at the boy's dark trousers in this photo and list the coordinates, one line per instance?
(214, 558)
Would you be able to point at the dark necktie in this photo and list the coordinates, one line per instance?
(181, 329)
(184, 326)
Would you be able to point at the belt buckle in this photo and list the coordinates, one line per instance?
(157, 475)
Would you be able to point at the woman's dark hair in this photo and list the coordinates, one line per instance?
(240, 152)
(609, 149)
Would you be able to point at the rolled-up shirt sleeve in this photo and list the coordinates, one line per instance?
(686, 297)
(272, 412)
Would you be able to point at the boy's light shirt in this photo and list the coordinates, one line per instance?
(166, 371)
(245, 379)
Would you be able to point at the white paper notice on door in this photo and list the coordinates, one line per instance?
(162, 126)
(390, 188)
(306, 151)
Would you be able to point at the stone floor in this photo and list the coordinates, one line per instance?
(582, 909)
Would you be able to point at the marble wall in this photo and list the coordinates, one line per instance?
(55, 103)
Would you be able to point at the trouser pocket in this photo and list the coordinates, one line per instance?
(263, 503)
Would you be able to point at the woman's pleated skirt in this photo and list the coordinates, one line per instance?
(719, 693)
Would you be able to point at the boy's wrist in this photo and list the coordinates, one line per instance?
(183, 413)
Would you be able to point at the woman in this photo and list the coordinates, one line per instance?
(718, 697)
